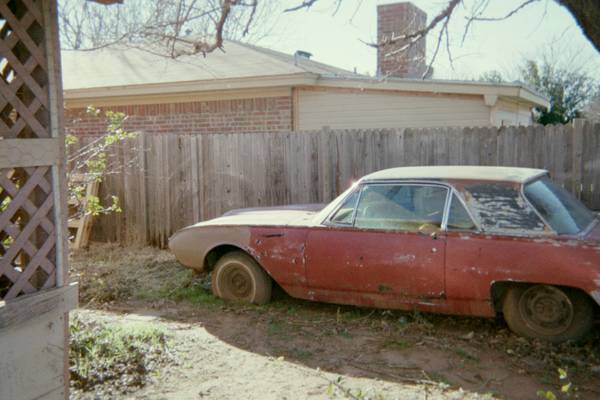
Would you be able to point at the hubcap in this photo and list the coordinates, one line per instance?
(546, 309)
(238, 281)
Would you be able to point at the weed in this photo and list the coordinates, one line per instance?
(438, 377)
(397, 344)
(465, 354)
(345, 333)
(276, 328)
(300, 354)
(337, 390)
(120, 355)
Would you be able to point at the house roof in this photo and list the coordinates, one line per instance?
(459, 172)
(119, 66)
(130, 71)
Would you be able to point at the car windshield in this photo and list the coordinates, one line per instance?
(324, 213)
(563, 212)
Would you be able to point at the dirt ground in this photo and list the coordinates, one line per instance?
(292, 349)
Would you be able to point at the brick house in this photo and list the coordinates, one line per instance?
(252, 89)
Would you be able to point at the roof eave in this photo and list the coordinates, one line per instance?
(193, 86)
(516, 91)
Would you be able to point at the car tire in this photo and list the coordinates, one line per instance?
(238, 277)
(549, 313)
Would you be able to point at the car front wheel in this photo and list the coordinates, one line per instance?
(238, 277)
(548, 312)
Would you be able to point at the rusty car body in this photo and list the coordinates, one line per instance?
(456, 240)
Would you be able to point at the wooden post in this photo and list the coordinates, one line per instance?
(34, 305)
(577, 151)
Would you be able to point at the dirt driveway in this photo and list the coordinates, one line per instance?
(293, 349)
(212, 368)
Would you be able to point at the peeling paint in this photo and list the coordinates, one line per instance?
(406, 258)
(399, 270)
(500, 209)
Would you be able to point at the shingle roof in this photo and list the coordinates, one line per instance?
(125, 66)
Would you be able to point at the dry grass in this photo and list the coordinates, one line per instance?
(108, 273)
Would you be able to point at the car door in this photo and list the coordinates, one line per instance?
(385, 238)
(510, 242)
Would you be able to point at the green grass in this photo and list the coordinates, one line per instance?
(276, 328)
(300, 354)
(396, 344)
(465, 354)
(121, 355)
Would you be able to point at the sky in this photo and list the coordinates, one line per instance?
(541, 29)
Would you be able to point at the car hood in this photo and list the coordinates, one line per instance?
(294, 215)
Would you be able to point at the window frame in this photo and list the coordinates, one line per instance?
(450, 191)
(529, 204)
(329, 219)
(552, 230)
(456, 194)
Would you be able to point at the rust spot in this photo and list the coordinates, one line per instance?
(272, 235)
(384, 289)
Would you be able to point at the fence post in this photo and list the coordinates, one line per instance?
(577, 153)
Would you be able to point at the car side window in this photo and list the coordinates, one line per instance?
(345, 213)
(400, 207)
(458, 217)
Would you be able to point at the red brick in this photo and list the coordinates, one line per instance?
(223, 116)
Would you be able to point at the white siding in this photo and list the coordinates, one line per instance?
(508, 113)
(337, 109)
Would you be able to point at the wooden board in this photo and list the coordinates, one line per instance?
(182, 179)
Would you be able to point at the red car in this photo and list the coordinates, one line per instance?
(456, 240)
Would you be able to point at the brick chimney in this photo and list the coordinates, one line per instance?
(394, 20)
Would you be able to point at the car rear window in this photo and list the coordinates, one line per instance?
(501, 209)
(563, 212)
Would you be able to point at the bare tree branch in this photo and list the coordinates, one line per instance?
(305, 4)
(444, 15)
(167, 27)
(191, 26)
(509, 14)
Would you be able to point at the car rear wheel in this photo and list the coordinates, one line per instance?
(238, 277)
(548, 312)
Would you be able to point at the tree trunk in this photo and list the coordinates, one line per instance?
(587, 15)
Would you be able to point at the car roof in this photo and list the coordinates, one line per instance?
(457, 172)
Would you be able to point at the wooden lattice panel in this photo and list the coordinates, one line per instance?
(23, 71)
(27, 239)
(27, 229)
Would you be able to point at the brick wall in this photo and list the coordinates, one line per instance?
(220, 116)
(394, 20)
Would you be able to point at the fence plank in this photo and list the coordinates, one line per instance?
(180, 180)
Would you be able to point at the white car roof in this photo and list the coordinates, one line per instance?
(457, 172)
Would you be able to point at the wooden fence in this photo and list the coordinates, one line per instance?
(170, 181)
